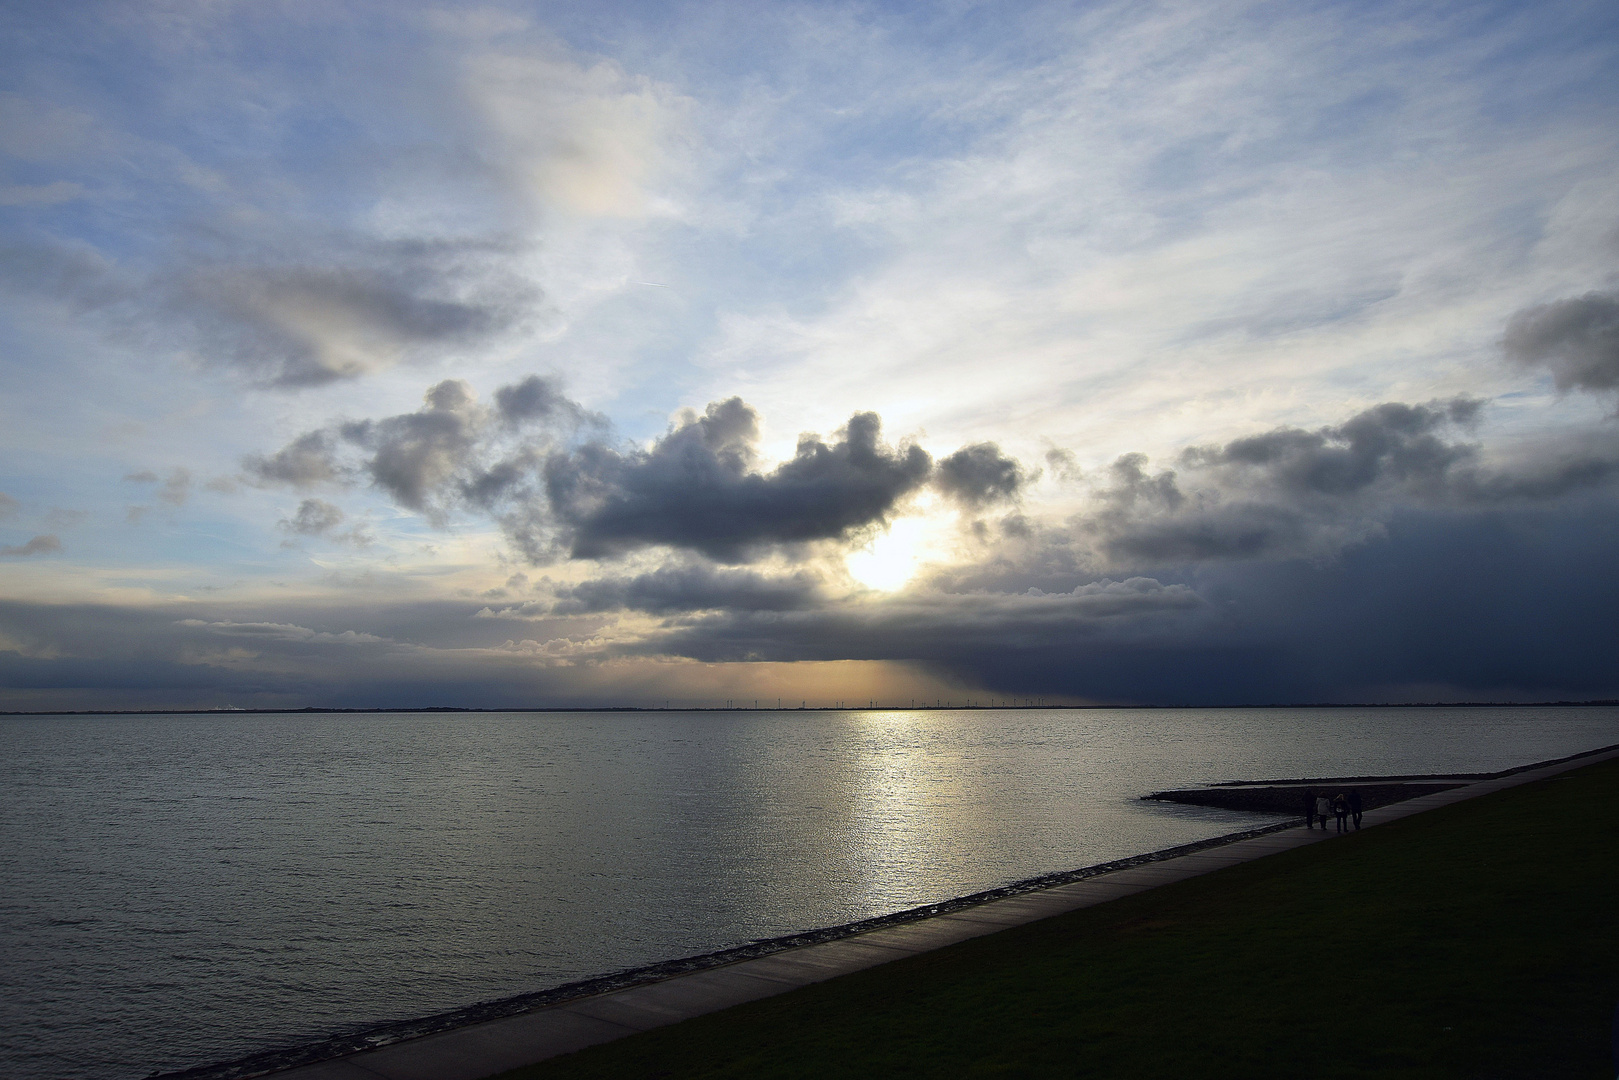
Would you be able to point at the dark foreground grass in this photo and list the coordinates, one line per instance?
(1479, 940)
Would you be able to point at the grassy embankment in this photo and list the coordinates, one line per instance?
(1479, 940)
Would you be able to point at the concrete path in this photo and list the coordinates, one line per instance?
(481, 1050)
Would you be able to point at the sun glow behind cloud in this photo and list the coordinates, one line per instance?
(893, 556)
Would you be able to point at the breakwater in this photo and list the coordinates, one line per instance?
(1287, 796)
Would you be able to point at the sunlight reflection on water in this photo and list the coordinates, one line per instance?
(182, 889)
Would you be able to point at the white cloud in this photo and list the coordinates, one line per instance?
(283, 632)
(581, 136)
(1176, 227)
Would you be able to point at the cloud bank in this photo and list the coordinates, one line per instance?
(548, 472)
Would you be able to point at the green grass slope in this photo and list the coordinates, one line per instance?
(1479, 940)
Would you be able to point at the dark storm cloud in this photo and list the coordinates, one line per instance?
(695, 489)
(45, 544)
(1233, 531)
(1456, 604)
(1576, 339)
(1444, 605)
(1285, 493)
(545, 470)
(693, 587)
(979, 475)
(1144, 517)
(1291, 492)
(1552, 479)
(1388, 443)
(927, 626)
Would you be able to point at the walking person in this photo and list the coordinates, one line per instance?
(1340, 810)
(1354, 806)
(1309, 809)
(1322, 809)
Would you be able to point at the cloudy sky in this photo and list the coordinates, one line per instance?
(382, 354)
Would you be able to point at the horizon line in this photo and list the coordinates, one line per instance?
(228, 711)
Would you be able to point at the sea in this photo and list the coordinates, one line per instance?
(177, 890)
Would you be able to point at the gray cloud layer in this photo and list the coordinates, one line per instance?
(691, 587)
(341, 308)
(1470, 605)
(1491, 602)
(372, 306)
(1576, 339)
(1389, 443)
(1196, 583)
(541, 466)
(451, 453)
(1292, 492)
(695, 489)
(980, 475)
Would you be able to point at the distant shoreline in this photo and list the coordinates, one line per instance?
(308, 709)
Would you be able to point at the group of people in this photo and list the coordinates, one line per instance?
(1341, 806)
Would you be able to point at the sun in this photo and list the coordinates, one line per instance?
(892, 557)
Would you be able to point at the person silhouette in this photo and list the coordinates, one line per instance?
(1354, 805)
(1322, 809)
(1309, 809)
(1340, 810)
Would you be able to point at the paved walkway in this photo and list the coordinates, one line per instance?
(481, 1050)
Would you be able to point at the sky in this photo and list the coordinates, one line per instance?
(540, 355)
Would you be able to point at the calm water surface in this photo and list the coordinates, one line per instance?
(177, 890)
